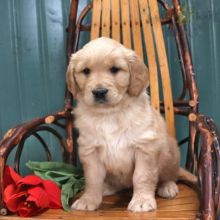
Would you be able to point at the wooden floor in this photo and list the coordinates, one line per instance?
(184, 206)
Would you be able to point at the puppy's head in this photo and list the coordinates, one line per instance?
(104, 72)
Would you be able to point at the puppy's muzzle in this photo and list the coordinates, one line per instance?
(99, 94)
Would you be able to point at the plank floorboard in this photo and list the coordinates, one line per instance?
(184, 206)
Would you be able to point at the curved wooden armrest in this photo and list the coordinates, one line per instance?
(208, 167)
(17, 136)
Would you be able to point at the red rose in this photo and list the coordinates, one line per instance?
(29, 195)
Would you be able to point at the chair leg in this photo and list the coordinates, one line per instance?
(70, 155)
(3, 209)
(191, 163)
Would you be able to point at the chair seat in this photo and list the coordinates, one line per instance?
(184, 206)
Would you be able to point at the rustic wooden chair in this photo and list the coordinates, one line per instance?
(137, 24)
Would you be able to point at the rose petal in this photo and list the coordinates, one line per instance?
(54, 193)
(30, 180)
(39, 196)
(28, 209)
(10, 176)
(13, 197)
(29, 195)
(11, 191)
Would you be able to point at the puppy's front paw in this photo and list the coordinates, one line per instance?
(168, 190)
(85, 203)
(140, 203)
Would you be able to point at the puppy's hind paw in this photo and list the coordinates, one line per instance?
(86, 204)
(109, 189)
(168, 189)
(142, 204)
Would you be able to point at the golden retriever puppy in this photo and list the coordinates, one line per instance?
(123, 141)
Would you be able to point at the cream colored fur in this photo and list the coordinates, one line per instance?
(123, 142)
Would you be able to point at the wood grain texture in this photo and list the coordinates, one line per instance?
(184, 206)
(106, 7)
(151, 55)
(96, 19)
(163, 64)
(136, 29)
(125, 19)
(116, 35)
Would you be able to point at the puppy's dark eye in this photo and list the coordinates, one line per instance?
(86, 71)
(114, 69)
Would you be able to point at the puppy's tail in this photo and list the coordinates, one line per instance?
(186, 176)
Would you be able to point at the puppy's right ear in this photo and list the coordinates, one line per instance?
(139, 79)
(70, 79)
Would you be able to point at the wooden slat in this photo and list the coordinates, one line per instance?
(96, 16)
(136, 29)
(106, 6)
(164, 69)
(151, 56)
(116, 20)
(125, 19)
(184, 206)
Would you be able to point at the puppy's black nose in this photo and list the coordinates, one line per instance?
(100, 94)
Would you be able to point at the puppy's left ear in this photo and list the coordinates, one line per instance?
(139, 76)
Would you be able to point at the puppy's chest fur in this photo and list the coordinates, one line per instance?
(113, 139)
(116, 142)
(113, 136)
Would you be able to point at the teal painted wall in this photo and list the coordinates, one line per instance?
(204, 35)
(203, 28)
(32, 61)
(32, 65)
